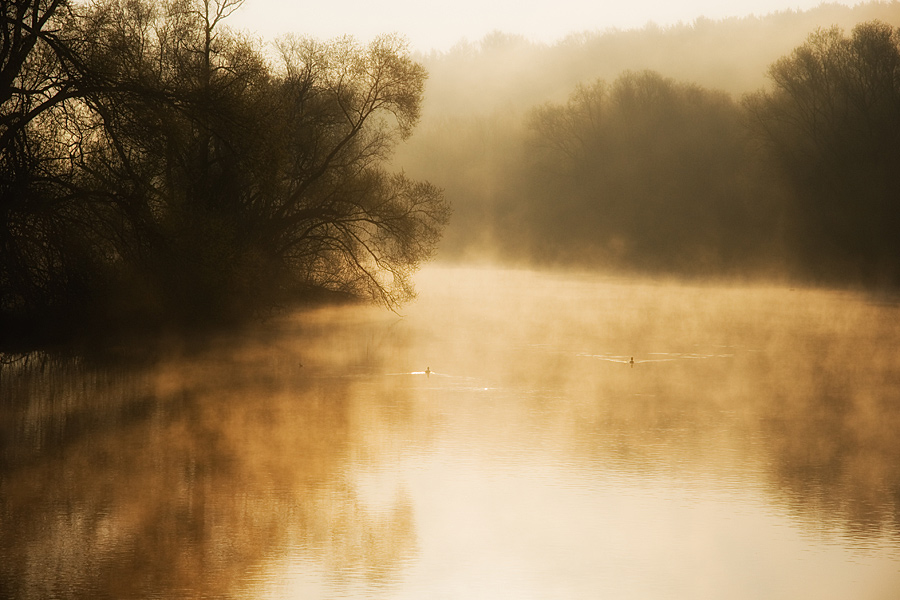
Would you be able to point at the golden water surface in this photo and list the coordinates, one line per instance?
(494, 440)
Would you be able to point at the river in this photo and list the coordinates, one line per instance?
(492, 440)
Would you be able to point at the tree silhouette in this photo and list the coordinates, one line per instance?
(645, 172)
(205, 181)
(832, 126)
(47, 237)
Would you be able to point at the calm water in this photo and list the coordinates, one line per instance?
(751, 451)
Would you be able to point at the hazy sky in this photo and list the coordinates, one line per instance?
(433, 24)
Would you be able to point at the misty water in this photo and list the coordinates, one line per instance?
(493, 440)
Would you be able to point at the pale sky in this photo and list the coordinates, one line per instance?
(438, 25)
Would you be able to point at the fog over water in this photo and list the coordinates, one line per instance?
(653, 354)
(491, 441)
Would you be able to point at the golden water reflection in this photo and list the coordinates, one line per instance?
(749, 452)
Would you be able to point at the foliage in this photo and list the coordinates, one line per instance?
(831, 125)
(183, 177)
(658, 174)
(644, 172)
(43, 256)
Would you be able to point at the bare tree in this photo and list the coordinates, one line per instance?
(170, 171)
(337, 216)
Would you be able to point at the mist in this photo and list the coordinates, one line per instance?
(614, 316)
(753, 436)
(645, 151)
(754, 148)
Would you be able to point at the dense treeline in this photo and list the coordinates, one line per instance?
(652, 173)
(504, 71)
(158, 169)
(830, 126)
(644, 173)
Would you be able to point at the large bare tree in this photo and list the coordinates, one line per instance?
(218, 178)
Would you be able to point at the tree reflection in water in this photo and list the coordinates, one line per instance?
(224, 471)
(178, 480)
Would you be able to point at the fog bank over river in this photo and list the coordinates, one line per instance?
(491, 441)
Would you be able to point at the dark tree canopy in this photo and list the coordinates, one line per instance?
(831, 125)
(644, 172)
(41, 249)
(178, 174)
(651, 174)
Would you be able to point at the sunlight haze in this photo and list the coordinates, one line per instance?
(431, 25)
(403, 300)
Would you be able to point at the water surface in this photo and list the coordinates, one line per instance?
(749, 452)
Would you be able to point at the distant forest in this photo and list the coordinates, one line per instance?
(742, 148)
(160, 172)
